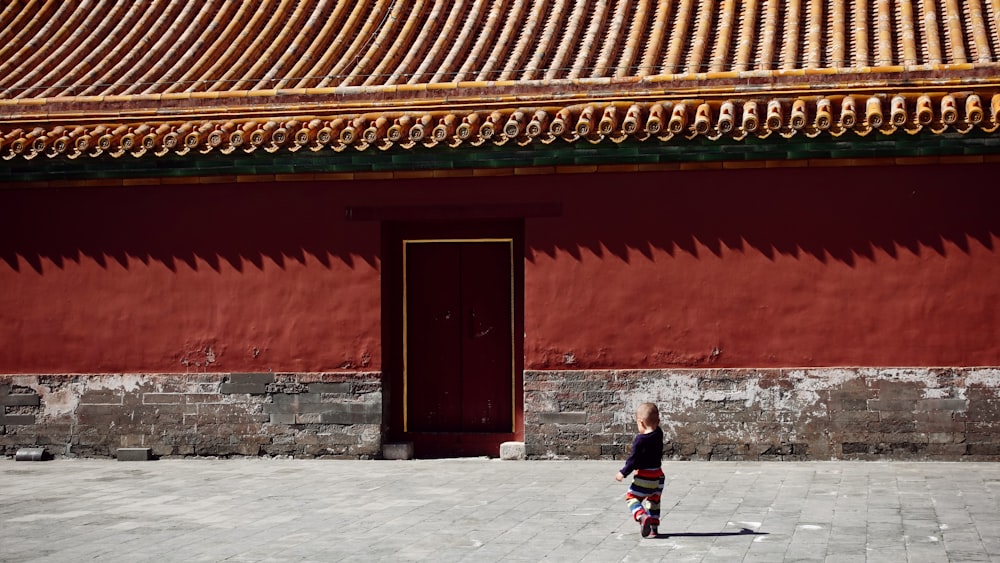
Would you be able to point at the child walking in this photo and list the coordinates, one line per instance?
(646, 461)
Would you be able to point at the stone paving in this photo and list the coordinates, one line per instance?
(489, 510)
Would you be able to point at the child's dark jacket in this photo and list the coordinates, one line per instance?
(647, 452)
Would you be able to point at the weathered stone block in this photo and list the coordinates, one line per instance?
(947, 426)
(728, 451)
(282, 418)
(398, 450)
(134, 454)
(512, 451)
(945, 451)
(162, 398)
(719, 381)
(720, 405)
(957, 405)
(262, 378)
(535, 450)
(339, 388)
(246, 449)
(306, 400)
(21, 400)
(614, 450)
(893, 425)
(351, 413)
(308, 418)
(984, 409)
(842, 401)
(941, 437)
(246, 383)
(17, 419)
(563, 417)
(586, 451)
(222, 413)
(243, 389)
(849, 448)
(898, 390)
(195, 398)
(908, 405)
(101, 397)
(308, 439)
(682, 450)
(364, 450)
(102, 416)
(132, 440)
(281, 404)
(781, 416)
(938, 416)
(149, 413)
(573, 430)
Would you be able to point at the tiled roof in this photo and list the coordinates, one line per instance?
(122, 77)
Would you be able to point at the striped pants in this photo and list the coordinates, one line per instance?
(647, 486)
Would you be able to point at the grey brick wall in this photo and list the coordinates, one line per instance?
(778, 414)
(335, 415)
(721, 414)
(18, 406)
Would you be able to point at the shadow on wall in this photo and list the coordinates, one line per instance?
(843, 215)
(239, 225)
(835, 214)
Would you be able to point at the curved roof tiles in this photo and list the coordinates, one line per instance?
(56, 48)
(179, 75)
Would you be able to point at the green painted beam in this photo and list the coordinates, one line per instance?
(506, 156)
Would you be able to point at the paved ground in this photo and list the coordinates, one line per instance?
(490, 510)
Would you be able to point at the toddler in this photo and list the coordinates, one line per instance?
(645, 460)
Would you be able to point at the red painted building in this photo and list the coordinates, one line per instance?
(231, 230)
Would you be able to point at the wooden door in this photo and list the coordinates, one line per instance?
(459, 369)
(458, 341)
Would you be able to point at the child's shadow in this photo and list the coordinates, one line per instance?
(742, 532)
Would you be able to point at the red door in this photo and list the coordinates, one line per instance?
(459, 377)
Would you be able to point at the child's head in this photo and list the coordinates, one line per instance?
(647, 416)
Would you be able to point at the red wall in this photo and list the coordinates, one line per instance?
(894, 266)
(768, 268)
(149, 279)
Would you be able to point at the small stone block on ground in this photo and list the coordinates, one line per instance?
(135, 454)
(512, 451)
(401, 450)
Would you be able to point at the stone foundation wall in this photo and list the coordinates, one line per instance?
(239, 414)
(722, 414)
(772, 414)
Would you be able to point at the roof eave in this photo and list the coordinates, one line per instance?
(495, 94)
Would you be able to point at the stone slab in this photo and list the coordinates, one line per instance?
(134, 454)
(22, 400)
(262, 378)
(399, 450)
(512, 451)
(243, 388)
(338, 387)
(17, 419)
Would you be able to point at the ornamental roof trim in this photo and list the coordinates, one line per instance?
(120, 77)
(665, 120)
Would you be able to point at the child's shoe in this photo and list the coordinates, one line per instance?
(647, 526)
(653, 531)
